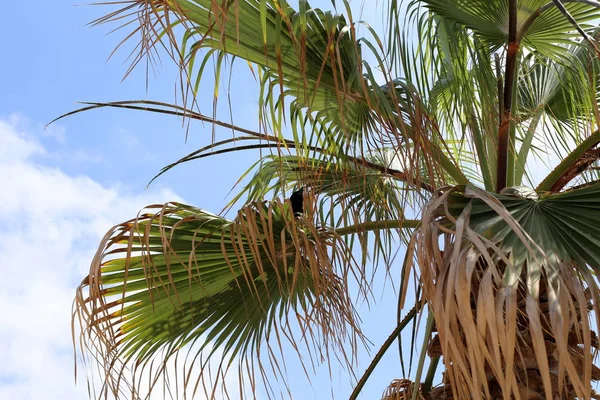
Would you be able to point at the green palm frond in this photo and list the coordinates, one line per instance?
(554, 101)
(340, 195)
(309, 62)
(307, 55)
(465, 86)
(560, 100)
(557, 87)
(564, 226)
(181, 275)
(541, 28)
(328, 177)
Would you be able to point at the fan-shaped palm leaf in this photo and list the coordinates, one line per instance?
(181, 275)
(310, 61)
(541, 28)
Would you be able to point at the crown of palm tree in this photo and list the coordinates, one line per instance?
(423, 138)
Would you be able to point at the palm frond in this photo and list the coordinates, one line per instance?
(277, 173)
(465, 97)
(565, 224)
(179, 276)
(309, 62)
(562, 89)
(556, 93)
(541, 28)
(310, 56)
(341, 194)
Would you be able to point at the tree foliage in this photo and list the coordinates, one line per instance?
(422, 137)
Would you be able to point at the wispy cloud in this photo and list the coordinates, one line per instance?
(55, 131)
(50, 223)
(134, 147)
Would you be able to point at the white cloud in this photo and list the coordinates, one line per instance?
(15, 146)
(50, 223)
(55, 131)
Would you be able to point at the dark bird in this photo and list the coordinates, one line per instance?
(297, 200)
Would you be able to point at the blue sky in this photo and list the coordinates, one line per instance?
(64, 186)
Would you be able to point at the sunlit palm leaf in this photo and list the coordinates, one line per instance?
(565, 225)
(559, 88)
(465, 86)
(560, 98)
(464, 98)
(547, 33)
(308, 60)
(182, 275)
(339, 194)
(342, 181)
(309, 55)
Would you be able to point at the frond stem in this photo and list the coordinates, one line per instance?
(378, 225)
(526, 146)
(572, 165)
(509, 87)
(573, 22)
(583, 185)
(384, 348)
(481, 150)
(499, 84)
(430, 375)
(428, 329)
(187, 113)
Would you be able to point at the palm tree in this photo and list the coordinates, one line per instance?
(425, 137)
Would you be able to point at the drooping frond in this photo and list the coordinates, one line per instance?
(179, 275)
(564, 225)
(341, 194)
(310, 67)
(457, 54)
(347, 183)
(307, 54)
(401, 389)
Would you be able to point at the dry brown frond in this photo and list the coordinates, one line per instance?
(509, 325)
(401, 389)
